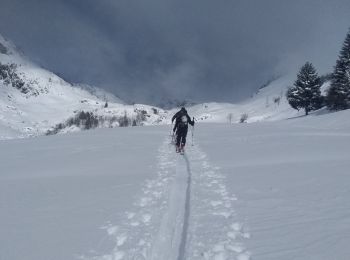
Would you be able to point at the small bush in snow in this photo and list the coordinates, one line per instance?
(88, 120)
(277, 100)
(229, 117)
(244, 118)
(124, 120)
(155, 111)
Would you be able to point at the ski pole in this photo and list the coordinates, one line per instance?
(171, 128)
(193, 132)
(172, 134)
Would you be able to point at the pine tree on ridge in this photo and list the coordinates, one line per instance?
(338, 96)
(306, 92)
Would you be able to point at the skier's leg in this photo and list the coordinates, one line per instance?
(178, 137)
(178, 140)
(183, 140)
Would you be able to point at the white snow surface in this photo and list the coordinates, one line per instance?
(265, 191)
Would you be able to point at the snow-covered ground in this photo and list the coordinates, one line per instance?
(291, 180)
(271, 190)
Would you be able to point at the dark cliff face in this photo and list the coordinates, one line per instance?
(3, 49)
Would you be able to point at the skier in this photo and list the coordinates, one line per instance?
(182, 119)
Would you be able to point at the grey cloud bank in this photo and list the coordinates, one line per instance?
(179, 49)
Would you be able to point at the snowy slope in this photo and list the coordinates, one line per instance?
(48, 100)
(267, 104)
(263, 191)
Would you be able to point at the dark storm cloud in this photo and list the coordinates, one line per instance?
(200, 49)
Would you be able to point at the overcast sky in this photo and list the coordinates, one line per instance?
(212, 50)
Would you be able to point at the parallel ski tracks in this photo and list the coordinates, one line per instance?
(171, 240)
(167, 221)
(182, 248)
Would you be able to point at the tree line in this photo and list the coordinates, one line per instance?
(306, 91)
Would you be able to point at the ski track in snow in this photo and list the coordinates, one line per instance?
(186, 212)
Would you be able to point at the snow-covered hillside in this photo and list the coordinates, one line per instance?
(259, 191)
(268, 104)
(33, 100)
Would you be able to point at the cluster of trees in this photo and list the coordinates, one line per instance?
(88, 120)
(83, 120)
(243, 118)
(306, 92)
(8, 74)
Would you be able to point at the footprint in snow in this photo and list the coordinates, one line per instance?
(236, 248)
(130, 215)
(216, 203)
(237, 226)
(145, 201)
(243, 256)
(121, 239)
(246, 235)
(227, 204)
(157, 194)
(219, 252)
(146, 218)
(232, 235)
(112, 230)
(223, 213)
(118, 255)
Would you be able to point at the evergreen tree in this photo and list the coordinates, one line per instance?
(124, 120)
(306, 93)
(338, 96)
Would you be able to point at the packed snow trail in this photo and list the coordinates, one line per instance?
(171, 239)
(182, 248)
(184, 213)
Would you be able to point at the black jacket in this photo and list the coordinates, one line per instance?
(177, 117)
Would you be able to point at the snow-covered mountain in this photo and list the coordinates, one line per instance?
(267, 104)
(33, 100)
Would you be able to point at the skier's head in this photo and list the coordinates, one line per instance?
(183, 110)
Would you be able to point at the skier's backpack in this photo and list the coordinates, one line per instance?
(183, 121)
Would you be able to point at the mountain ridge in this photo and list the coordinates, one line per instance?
(35, 101)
